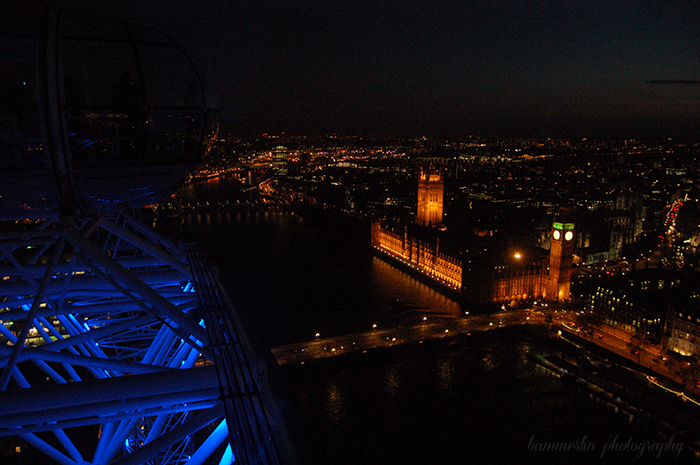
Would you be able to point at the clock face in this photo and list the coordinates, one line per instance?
(556, 234)
(569, 235)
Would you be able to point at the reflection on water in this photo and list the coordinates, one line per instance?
(391, 385)
(293, 278)
(446, 373)
(335, 411)
(419, 298)
(489, 362)
(478, 401)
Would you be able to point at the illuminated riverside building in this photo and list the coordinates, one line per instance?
(421, 255)
(430, 198)
(661, 304)
(481, 277)
(505, 283)
(631, 306)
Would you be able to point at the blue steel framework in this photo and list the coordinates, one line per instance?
(101, 325)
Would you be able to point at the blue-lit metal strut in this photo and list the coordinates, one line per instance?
(100, 328)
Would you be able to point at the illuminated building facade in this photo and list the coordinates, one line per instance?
(561, 257)
(683, 316)
(682, 328)
(279, 159)
(518, 284)
(420, 255)
(660, 304)
(430, 198)
(636, 304)
(479, 278)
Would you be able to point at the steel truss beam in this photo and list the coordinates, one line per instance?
(100, 326)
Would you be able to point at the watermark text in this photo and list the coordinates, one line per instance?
(617, 444)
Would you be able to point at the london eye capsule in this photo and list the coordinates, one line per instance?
(95, 115)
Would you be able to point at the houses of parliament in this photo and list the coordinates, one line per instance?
(483, 280)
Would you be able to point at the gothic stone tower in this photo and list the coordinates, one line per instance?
(430, 198)
(560, 260)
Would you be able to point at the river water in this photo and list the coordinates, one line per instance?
(297, 274)
(475, 399)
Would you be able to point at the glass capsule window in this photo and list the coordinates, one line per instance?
(122, 119)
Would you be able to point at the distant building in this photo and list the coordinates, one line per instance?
(601, 236)
(430, 198)
(634, 303)
(683, 318)
(279, 159)
(683, 329)
(481, 276)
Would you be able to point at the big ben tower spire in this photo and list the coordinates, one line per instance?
(560, 259)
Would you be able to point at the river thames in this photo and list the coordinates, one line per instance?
(470, 399)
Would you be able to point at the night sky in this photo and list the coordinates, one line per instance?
(410, 67)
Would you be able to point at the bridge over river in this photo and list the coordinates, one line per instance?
(302, 352)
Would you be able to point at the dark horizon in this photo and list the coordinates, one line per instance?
(536, 68)
(529, 69)
(526, 128)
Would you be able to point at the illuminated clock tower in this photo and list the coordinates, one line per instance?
(561, 257)
(430, 198)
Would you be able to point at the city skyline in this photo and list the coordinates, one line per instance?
(142, 295)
